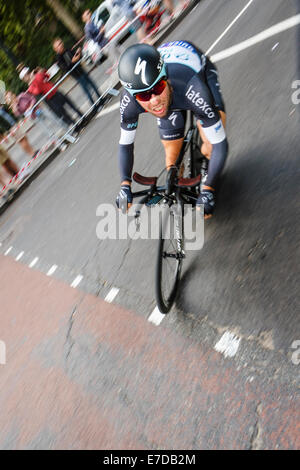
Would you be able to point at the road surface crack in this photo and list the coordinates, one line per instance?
(256, 442)
(69, 340)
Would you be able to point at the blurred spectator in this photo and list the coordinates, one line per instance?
(19, 136)
(66, 59)
(93, 33)
(39, 84)
(23, 103)
(127, 8)
(8, 165)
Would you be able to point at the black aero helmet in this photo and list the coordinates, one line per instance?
(140, 68)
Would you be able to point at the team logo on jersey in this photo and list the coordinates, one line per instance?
(173, 118)
(140, 69)
(219, 127)
(123, 105)
(200, 102)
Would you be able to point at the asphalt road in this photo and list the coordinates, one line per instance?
(244, 280)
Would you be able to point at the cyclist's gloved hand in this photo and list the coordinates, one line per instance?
(207, 198)
(171, 178)
(124, 197)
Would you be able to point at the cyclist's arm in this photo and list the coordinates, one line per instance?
(172, 149)
(129, 121)
(201, 103)
(126, 155)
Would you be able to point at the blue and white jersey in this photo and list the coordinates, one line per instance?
(184, 53)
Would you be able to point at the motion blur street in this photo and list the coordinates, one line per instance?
(87, 363)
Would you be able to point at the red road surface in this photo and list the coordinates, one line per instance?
(84, 374)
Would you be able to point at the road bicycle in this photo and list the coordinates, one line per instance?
(182, 187)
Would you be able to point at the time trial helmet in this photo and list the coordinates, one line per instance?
(140, 68)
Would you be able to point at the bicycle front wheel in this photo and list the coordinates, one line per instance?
(170, 258)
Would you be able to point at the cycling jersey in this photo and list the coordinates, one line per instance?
(195, 87)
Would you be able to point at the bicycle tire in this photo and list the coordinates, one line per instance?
(169, 261)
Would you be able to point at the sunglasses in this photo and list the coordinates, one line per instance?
(156, 90)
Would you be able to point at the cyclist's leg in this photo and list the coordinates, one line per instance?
(171, 131)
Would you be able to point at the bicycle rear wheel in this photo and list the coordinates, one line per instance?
(170, 257)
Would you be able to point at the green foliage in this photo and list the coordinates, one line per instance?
(27, 28)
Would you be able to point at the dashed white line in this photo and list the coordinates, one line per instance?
(229, 27)
(52, 270)
(8, 251)
(33, 262)
(20, 255)
(112, 294)
(228, 344)
(156, 317)
(77, 281)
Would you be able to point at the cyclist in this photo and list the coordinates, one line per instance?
(166, 82)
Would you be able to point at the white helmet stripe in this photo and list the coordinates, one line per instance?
(140, 67)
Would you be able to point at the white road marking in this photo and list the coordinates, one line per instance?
(8, 251)
(77, 281)
(52, 270)
(228, 344)
(112, 295)
(33, 262)
(156, 317)
(20, 255)
(274, 47)
(229, 27)
(267, 33)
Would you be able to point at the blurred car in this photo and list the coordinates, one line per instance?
(112, 17)
(117, 26)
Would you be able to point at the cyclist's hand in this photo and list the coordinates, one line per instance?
(124, 198)
(171, 178)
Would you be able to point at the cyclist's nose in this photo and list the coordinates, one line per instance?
(155, 99)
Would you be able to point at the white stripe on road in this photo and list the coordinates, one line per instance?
(228, 27)
(267, 33)
(33, 262)
(7, 251)
(228, 344)
(20, 255)
(77, 281)
(156, 317)
(52, 270)
(112, 295)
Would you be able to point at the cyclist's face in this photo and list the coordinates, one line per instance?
(158, 105)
